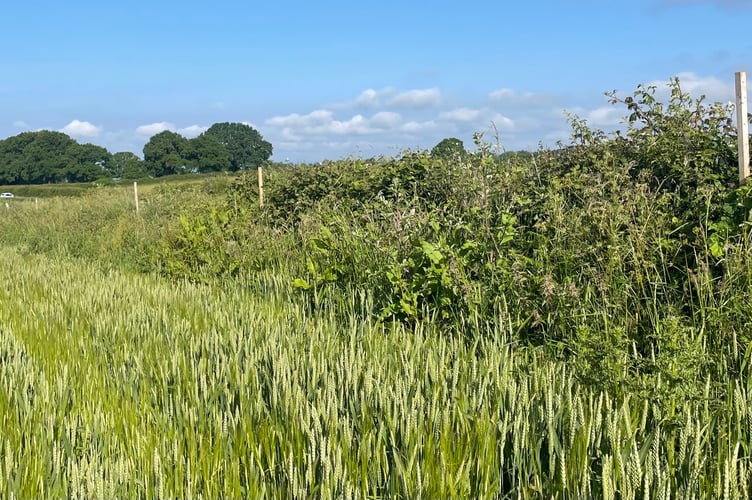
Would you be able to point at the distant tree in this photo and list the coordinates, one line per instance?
(86, 162)
(36, 157)
(127, 166)
(48, 156)
(11, 157)
(450, 149)
(205, 154)
(164, 154)
(245, 146)
(515, 155)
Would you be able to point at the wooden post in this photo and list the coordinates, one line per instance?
(742, 124)
(135, 193)
(261, 186)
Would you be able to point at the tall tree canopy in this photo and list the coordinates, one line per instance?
(449, 149)
(127, 165)
(206, 154)
(48, 156)
(165, 154)
(245, 146)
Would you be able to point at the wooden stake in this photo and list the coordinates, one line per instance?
(742, 124)
(261, 186)
(135, 193)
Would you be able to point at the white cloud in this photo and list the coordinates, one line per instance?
(21, 124)
(323, 121)
(501, 94)
(154, 129)
(192, 130)
(416, 98)
(78, 128)
(386, 119)
(390, 96)
(461, 114)
(710, 86)
(509, 97)
(605, 116)
(417, 127)
(317, 117)
(355, 125)
(503, 123)
(370, 98)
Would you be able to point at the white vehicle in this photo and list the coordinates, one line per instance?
(6, 195)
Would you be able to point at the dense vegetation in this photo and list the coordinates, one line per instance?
(571, 323)
(53, 157)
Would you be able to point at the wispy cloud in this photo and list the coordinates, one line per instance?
(370, 98)
(154, 128)
(415, 127)
(710, 86)
(77, 128)
(416, 98)
(322, 122)
(390, 96)
(461, 114)
(192, 131)
(511, 97)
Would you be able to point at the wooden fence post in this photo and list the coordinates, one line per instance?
(261, 186)
(742, 124)
(135, 193)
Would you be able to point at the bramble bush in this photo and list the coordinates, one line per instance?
(620, 252)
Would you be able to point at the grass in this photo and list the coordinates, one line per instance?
(124, 385)
(146, 185)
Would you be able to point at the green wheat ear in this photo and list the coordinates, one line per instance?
(122, 385)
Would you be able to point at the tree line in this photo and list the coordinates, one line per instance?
(47, 156)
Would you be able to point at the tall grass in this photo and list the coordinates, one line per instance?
(122, 385)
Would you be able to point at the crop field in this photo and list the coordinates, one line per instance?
(564, 324)
(122, 386)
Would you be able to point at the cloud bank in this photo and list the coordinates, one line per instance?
(80, 129)
(388, 120)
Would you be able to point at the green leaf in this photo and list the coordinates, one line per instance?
(301, 284)
(430, 251)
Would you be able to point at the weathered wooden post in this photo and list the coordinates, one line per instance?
(135, 193)
(742, 124)
(261, 186)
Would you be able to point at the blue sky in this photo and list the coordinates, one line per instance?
(329, 79)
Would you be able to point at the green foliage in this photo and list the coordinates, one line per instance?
(223, 147)
(127, 165)
(450, 150)
(685, 148)
(206, 154)
(202, 248)
(165, 154)
(47, 156)
(245, 147)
